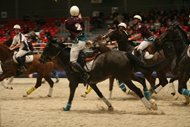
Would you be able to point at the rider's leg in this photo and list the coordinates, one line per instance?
(75, 49)
(143, 45)
(21, 61)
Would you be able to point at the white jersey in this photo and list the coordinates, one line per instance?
(19, 38)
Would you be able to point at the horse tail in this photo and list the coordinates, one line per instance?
(137, 62)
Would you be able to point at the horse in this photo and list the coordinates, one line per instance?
(122, 38)
(173, 43)
(113, 63)
(9, 68)
(104, 47)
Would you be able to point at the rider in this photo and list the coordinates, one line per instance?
(141, 31)
(75, 25)
(122, 46)
(20, 42)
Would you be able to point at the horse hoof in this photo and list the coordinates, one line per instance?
(48, 95)
(153, 104)
(110, 108)
(66, 109)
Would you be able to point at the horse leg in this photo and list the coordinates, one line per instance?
(162, 82)
(182, 88)
(151, 81)
(173, 79)
(51, 83)
(72, 86)
(149, 104)
(5, 75)
(98, 92)
(7, 85)
(32, 89)
(172, 87)
(56, 76)
(111, 81)
(142, 81)
(88, 89)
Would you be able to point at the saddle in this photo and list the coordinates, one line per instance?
(86, 58)
(26, 58)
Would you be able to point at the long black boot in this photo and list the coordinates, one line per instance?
(77, 68)
(142, 56)
(21, 64)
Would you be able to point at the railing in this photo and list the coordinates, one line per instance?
(38, 47)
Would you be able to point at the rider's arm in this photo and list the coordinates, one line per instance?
(135, 37)
(15, 45)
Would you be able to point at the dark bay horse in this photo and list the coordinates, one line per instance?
(113, 63)
(173, 43)
(121, 37)
(100, 43)
(9, 68)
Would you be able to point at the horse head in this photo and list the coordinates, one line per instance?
(51, 51)
(172, 40)
(99, 43)
(5, 52)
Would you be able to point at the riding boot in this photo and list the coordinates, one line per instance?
(21, 64)
(142, 56)
(77, 68)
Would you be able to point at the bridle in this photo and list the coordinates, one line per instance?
(57, 54)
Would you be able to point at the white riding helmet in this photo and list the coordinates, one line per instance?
(74, 11)
(16, 26)
(137, 17)
(122, 24)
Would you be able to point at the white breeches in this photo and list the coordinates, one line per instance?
(143, 45)
(75, 49)
(21, 53)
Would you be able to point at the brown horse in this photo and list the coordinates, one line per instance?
(9, 68)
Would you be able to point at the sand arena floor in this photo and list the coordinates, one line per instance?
(40, 111)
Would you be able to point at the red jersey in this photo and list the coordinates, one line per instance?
(141, 28)
(75, 25)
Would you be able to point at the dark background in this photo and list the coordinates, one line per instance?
(50, 8)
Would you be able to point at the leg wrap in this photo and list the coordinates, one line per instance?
(185, 92)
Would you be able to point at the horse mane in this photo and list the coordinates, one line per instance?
(182, 34)
(5, 52)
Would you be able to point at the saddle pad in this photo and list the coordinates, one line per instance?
(28, 58)
(88, 66)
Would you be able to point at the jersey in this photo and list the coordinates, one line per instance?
(20, 38)
(141, 28)
(76, 26)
